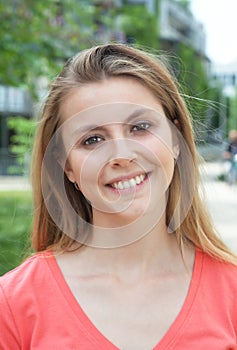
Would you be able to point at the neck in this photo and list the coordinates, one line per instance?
(155, 253)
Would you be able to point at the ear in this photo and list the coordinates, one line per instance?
(65, 166)
(176, 151)
(69, 172)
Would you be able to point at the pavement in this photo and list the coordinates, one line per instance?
(220, 198)
(14, 183)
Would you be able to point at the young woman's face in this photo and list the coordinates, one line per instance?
(120, 149)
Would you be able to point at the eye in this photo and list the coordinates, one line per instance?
(141, 126)
(92, 140)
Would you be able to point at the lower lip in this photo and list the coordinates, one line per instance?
(130, 189)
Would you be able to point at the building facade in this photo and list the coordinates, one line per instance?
(178, 25)
(226, 74)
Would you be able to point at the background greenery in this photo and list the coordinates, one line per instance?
(21, 143)
(37, 37)
(15, 227)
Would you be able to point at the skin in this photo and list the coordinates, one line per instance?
(143, 275)
(117, 151)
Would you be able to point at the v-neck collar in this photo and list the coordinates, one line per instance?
(94, 334)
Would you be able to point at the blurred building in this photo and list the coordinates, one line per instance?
(227, 75)
(178, 25)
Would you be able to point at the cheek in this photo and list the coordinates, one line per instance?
(85, 169)
(159, 152)
(166, 159)
(161, 156)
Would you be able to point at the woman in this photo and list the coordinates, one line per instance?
(126, 255)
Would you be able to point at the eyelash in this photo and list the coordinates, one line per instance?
(139, 127)
(91, 140)
(142, 126)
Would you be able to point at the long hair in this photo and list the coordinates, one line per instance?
(95, 65)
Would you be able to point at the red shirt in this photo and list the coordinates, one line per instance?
(38, 310)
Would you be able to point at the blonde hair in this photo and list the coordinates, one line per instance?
(95, 65)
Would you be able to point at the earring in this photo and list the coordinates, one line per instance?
(76, 186)
(175, 152)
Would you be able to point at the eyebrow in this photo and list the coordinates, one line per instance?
(128, 120)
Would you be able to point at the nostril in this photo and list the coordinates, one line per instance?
(122, 152)
(121, 161)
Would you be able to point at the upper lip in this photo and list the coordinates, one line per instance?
(127, 177)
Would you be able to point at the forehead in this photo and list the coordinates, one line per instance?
(112, 90)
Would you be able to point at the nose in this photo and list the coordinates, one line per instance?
(120, 162)
(123, 153)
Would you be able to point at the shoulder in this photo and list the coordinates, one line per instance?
(220, 276)
(217, 291)
(218, 264)
(26, 275)
(23, 291)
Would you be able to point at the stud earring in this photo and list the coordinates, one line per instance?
(175, 152)
(76, 186)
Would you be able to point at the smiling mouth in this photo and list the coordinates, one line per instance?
(129, 183)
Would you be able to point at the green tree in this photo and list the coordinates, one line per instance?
(193, 77)
(232, 115)
(139, 25)
(203, 98)
(36, 36)
(22, 141)
(185, 3)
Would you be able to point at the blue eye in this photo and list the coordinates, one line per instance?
(92, 140)
(142, 126)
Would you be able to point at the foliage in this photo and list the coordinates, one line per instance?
(21, 142)
(185, 3)
(232, 112)
(36, 36)
(15, 223)
(139, 25)
(203, 99)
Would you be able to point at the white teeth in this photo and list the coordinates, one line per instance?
(121, 185)
(126, 184)
(132, 182)
(138, 180)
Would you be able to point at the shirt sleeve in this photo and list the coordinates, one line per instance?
(9, 337)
